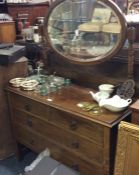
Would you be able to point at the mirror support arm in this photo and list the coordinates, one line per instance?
(131, 38)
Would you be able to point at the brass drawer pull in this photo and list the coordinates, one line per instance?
(27, 107)
(74, 124)
(29, 122)
(75, 167)
(75, 144)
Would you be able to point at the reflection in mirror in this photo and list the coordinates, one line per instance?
(84, 29)
(123, 4)
(133, 6)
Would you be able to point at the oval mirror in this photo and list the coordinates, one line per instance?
(85, 31)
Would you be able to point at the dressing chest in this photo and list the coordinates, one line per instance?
(79, 139)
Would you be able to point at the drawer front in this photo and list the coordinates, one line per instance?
(31, 106)
(84, 128)
(35, 142)
(74, 142)
(29, 139)
(81, 165)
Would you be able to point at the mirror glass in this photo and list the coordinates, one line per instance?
(85, 30)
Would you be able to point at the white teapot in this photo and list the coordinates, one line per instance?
(115, 104)
(99, 95)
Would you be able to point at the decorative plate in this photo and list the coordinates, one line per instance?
(15, 82)
(29, 85)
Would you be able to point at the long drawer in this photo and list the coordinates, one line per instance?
(37, 143)
(91, 130)
(67, 139)
(82, 166)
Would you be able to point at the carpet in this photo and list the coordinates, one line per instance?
(11, 166)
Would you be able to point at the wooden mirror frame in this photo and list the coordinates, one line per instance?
(127, 150)
(97, 59)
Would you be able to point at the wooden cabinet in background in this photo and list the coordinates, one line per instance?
(7, 32)
(135, 112)
(18, 69)
(75, 137)
(33, 10)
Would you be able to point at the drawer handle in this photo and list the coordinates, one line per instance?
(75, 167)
(32, 142)
(75, 144)
(27, 108)
(73, 125)
(29, 122)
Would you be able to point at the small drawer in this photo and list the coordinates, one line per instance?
(91, 130)
(23, 118)
(31, 106)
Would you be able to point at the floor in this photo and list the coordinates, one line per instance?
(11, 166)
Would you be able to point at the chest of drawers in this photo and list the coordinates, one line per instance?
(75, 137)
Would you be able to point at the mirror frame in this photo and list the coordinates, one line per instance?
(97, 59)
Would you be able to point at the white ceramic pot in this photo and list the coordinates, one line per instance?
(115, 104)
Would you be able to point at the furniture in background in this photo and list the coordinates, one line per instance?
(33, 10)
(7, 32)
(17, 69)
(135, 112)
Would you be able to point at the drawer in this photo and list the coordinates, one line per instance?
(91, 130)
(29, 139)
(64, 138)
(81, 165)
(35, 142)
(30, 106)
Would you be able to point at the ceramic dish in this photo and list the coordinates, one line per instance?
(16, 82)
(115, 104)
(29, 85)
(106, 88)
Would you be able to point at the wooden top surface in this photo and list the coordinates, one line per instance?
(67, 99)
